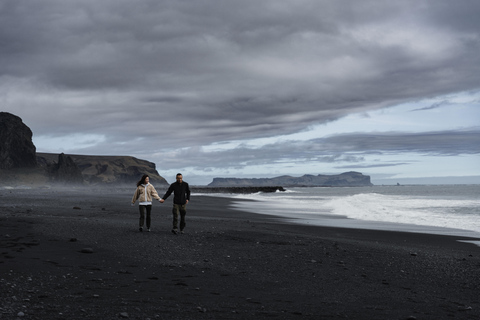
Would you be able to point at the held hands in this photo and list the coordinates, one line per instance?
(162, 201)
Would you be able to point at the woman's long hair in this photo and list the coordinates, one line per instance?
(142, 181)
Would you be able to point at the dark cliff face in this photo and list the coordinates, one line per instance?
(347, 179)
(16, 147)
(116, 170)
(65, 171)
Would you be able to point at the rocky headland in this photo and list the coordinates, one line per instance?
(21, 165)
(106, 169)
(346, 179)
(16, 147)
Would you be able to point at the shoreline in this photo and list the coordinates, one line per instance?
(229, 264)
(337, 221)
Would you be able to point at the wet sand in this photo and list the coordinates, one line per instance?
(70, 254)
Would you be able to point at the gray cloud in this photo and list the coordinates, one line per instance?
(165, 75)
(357, 167)
(448, 143)
(344, 148)
(433, 106)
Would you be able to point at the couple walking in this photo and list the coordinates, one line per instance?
(146, 192)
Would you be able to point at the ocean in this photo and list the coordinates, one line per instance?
(437, 209)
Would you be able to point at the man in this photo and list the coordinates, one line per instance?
(181, 197)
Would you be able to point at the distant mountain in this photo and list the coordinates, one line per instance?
(346, 179)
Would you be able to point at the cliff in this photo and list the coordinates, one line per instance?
(108, 169)
(65, 170)
(237, 190)
(16, 147)
(21, 165)
(347, 179)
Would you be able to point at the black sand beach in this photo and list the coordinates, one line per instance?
(69, 254)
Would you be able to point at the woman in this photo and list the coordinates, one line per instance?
(144, 194)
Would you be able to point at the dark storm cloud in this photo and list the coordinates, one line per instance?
(172, 74)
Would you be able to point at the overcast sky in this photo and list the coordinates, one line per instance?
(251, 88)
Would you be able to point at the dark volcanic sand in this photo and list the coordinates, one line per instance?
(228, 265)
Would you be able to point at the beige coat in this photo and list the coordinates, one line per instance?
(140, 194)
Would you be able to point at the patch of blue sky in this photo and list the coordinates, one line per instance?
(451, 112)
(77, 141)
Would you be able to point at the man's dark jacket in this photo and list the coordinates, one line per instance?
(181, 192)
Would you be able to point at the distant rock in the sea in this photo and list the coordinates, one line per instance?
(347, 179)
(16, 147)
